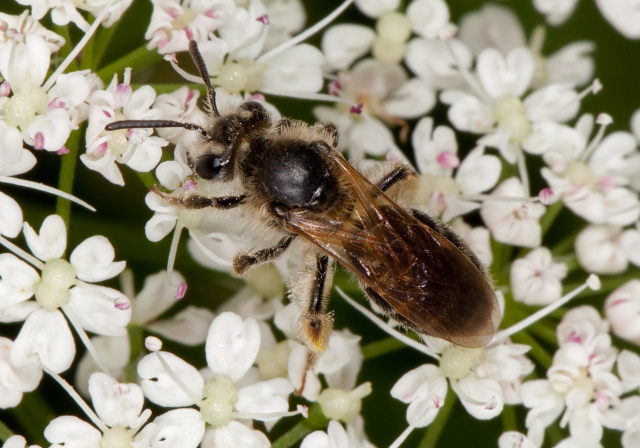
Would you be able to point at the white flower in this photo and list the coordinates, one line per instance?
(133, 147)
(428, 17)
(433, 61)
(62, 284)
(62, 11)
(629, 410)
(513, 222)
(443, 193)
(424, 389)
(231, 349)
(375, 8)
(622, 309)
(182, 106)
(174, 23)
(492, 26)
(536, 279)
(513, 439)
(14, 380)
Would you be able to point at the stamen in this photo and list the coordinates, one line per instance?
(127, 285)
(603, 120)
(85, 339)
(522, 169)
(306, 33)
(592, 282)
(386, 328)
(21, 253)
(469, 78)
(77, 398)
(402, 437)
(306, 96)
(45, 189)
(189, 77)
(78, 48)
(172, 254)
(265, 416)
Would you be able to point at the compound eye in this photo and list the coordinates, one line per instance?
(208, 166)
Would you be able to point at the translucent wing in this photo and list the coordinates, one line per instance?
(417, 271)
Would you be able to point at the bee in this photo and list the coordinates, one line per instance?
(295, 183)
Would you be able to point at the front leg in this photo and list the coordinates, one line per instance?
(311, 290)
(197, 202)
(243, 262)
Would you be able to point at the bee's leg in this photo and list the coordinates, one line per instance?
(331, 130)
(312, 289)
(397, 175)
(196, 201)
(243, 262)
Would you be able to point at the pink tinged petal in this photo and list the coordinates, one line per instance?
(122, 95)
(502, 76)
(624, 15)
(46, 334)
(115, 403)
(122, 303)
(264, 19)
(5, 90)
(235, 434)
(72, 432)
(448, 160)
(16, 280)
(160, 388)
(54, 127)
(93, 307)
(10, 216)
(51, 241)
(598, 250)
(38, 141)
(93, 260)
(343, 44)
(189, 327)
(180, 427)
(536, 279)
(622, 309)
(547, 196)
(232, 345)
(265, 397)
(190, 185)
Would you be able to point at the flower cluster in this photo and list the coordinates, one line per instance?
(507, 153)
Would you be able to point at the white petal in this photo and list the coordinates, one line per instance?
(72, 432)
(370, 136)
(556, 102)
(93, 260)
(264, 397)
(16, 280)
(235, 434)
(375, 8)
(232, 345)
(622, 308)
(468, 113)
(492, 26)
(189, 327)
(159, 226)
(14, 159)
(93, 307)
(432, 61)
(623, 15)
(156, 296)
(411, 100)
(180, 427)
(297, 69)
(484, 391)
(556, 12)
(478, 172)
(598, 251)
(160, 388)
(514, 439)
(51, 241)
(16, 379)
(342, 44)
(505, 76)
(10, 216)
(115, 403)
(46, 334)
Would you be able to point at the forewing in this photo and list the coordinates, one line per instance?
(420, 273)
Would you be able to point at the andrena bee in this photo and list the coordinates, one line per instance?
(294, 182)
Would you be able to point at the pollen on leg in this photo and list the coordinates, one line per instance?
(314, 330)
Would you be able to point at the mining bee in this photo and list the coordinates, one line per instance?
(295, 183)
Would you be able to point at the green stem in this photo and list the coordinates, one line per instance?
(537, 351)
(509, 421)
(381, 347)
(67, 175)
(100, 44)
(136, 341)
(5, 432)
(316, 420)
(434, 430)
(291, 437)
(67, 47)
(148, 179)
(550, 216)
(136, 59)
(33, 414)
